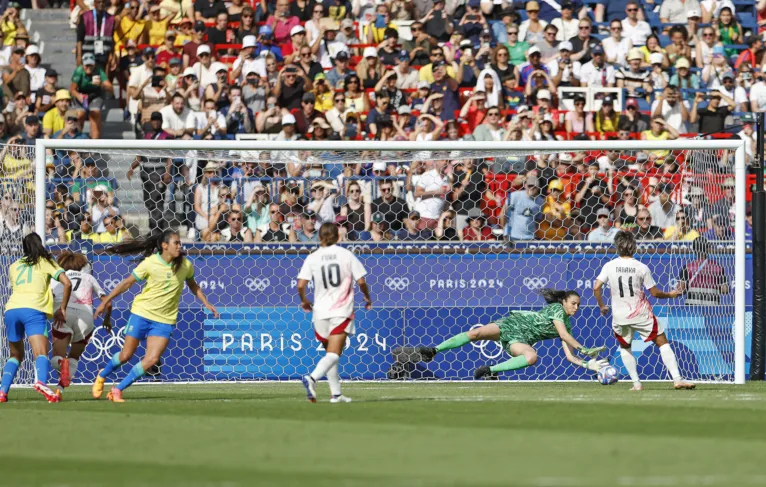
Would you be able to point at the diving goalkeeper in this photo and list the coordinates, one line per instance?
(519, 330)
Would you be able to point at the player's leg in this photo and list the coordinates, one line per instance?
(76, 350)
(669, 359)
(335, 346)
(157, 340)
(60, 347)
(624, 336)
(522, 356)
(135, 332)
(485, 332)
(14, 329)
(82, 328)
(39, 344)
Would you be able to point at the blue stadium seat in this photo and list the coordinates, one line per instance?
(747, 20)
(653, 19)
(744, 6)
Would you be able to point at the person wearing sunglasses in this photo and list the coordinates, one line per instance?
(419, 48)
(712, 119)
(273, 232)
(634, 27)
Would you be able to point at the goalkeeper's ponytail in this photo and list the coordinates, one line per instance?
(555, 296)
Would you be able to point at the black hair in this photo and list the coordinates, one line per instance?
(555, 296)
(625, 243)
(147, 246)
(34, 250)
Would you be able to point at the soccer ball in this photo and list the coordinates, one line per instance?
(607, 375)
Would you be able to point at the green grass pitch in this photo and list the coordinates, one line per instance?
(393, 434)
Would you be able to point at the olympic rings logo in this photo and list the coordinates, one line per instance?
(110, 284)
(533, 283)
(397, 283)
(99, 347)
(487, 348)
(257, 284)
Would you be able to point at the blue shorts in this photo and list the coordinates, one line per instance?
(141, 328)
(21, 322)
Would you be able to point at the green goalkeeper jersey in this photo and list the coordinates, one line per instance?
(532, 326)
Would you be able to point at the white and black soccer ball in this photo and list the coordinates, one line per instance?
(608, 375)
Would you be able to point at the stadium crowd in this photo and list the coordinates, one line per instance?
(403, 70)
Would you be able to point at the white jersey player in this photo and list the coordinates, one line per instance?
(629, 280)
(79, 326)
(334, 270)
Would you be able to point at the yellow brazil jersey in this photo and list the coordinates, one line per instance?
(30, 285)
(162, 293)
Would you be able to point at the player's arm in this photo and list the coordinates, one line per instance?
(565, 336)
(123, 286)
(59, 317)
(302, 286)
(362, 283)
(663, 295)
(590, 364)
(200, 294)
(598, 293)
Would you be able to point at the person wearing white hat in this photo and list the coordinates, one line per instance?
(246, 61)
(291, 50)
(36, 73)
(562, 69)
(370, 62)
(202, 68)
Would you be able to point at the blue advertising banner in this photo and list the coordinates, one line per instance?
(419, 299)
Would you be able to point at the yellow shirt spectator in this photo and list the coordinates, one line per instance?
(129, 29)
(53, 121)
(671, 233)
(426, 73)
(107, 238)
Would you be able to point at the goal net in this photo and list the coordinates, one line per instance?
(453, 235)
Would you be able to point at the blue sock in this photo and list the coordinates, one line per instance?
(9, 373)
(113, 364)
(42, 367)
(135, 373)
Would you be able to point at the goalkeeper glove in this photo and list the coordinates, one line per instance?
(591, 352)
(594, 364)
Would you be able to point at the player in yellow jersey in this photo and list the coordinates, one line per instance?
(164, 269)
(28, 311)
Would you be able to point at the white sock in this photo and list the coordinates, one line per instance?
(73, 363)
(324, 365)
(56, 362)
(629, 361)
(334, 380)
(669, 359)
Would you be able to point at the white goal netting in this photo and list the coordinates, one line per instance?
(451, 239)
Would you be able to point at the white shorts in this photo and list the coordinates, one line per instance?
(333, 326)
(647, 330)
(79, 324)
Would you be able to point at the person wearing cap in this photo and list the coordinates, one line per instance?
(406, 77)
(604, 232)
(89, 86)
(663, 211)
(348, 33)
(247, 61)
(566, 22)
(522, 211)
(370, 70)
(531, 30)
(533, 65)
(413, 229)
(282, 22)
(340, 70)
(379, 230)
(634, 78)
(472, 23)
(437, 56)
(168, 50)
(291, 50)
(562, 70)
(703, 280)
(645, 229)
(96, 34)
(632, 119)
(712, 118)
(659, 130)
(54, 120)
(675, 11)
(36, 73)
(684, 78)
(597, 72)
(436, 22)
(191, 48)
(329, 47)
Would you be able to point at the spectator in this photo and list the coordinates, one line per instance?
(531, 30)
(256, 200)
(477, 229)
(168, 50)
(157, 25)
(101, 206)
(675, 11)
(356, 211)
(644, 229)
(54, 228)
(522, 212)
(71, 128)
(627, 209)
(369, 70)
(348, 34)
(379, 230)
(393, 209)
(592, 194)
(185, 32)
(291, 87)
(562, 70)
(606, 117)
(430, 193)
(683, 78)
(95, 34)
(291, 202)
(713, 73)
(729, 30)
(703, 280)
(534, 64)
(634, 27)
(474, 112)
(191, 49)
(234, 230)
(720, 231)
(737, 95)
(406, 77)
(155, 175)
(329, 47)
(305, 63)
(207, 10)
(557, 211)
(584, 42)
(238, 117)
(604, 232)
(291, 50)
(153, 97)
(437, 56)
(436, 24)
(679, 45)
(218, 88)
(492, 129)
(663, 211)
(414, 230)
(468, 190)
(725, 205)
(660, 130)
(681, 231)
(419, 48)
(597, 72)
(208, 123)
(307, 232)
(579, 121)
(549, 46)
(45, 95)
(175, 116)
(16, 77)
(634, 78)
(704, 48)
(750, 55)
(712, 119)
(273, 231)
(84, 230)
(207, 199)
(337, 75)
(698, 210)
(445, 230)
(220, 33)
(669, 106)
(90, 85)
(53, 121)
(281, 22)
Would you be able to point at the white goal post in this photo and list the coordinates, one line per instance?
(214, 366)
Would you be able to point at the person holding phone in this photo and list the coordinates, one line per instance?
(89, 87)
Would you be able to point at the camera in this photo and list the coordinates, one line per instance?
(567, 61)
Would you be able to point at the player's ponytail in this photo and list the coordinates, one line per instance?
(72, 261)
(148, 245)
(34, 250)
(555, 296)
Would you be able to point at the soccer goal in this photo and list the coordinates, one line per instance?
(453, 249)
